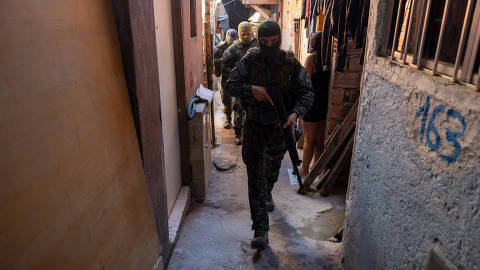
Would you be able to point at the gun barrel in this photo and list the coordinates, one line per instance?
(276, 96)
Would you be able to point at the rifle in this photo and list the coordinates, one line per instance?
(273, 90)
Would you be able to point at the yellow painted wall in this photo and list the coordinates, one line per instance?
(73, 190)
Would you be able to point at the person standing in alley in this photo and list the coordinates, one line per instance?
(231, 56)
(315, 120)
(218, 51)
(219, 31)
(263, 143)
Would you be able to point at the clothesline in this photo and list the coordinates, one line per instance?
(343, 19)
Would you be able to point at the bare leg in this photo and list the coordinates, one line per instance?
(320, 140)
(311, 133)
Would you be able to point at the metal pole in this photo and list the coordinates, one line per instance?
(405, 40)
(440, 38)
(463, 38)
(424, 30)
(392, 56)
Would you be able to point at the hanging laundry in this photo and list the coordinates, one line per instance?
(344, 18)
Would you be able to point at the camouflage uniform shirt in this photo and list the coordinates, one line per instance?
(233, 54)
(217, 56)
(263, 144)
(295, 85)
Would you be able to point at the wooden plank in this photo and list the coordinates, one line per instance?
(263, 11)
(334, 143)
(177, 23)
(321, 160)
(136, 30)
(208, 46)
(322, 179)
(344, 158)
(331, 154)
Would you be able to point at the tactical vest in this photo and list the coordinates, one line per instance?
(217, 56)
(221, 47)
(234, 53)
(239, 50)
(282, 74)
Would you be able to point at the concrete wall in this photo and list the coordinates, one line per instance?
(73, 190)
(168, 93)
(404, 197)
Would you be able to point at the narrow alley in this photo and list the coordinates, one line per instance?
(216, 233)
(127, 128)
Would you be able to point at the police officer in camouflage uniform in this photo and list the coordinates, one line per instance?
(218, 51)
(263, 143)
(231, 56)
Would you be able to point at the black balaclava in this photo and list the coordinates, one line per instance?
(269, 28)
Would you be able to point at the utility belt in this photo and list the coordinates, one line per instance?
(264, 114)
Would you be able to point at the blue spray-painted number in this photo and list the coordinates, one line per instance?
(424, 113)
(432, 130)
(454, 136)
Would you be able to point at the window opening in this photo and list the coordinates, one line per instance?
(193, 18)
(441, 36)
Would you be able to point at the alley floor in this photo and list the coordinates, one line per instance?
(216, 233)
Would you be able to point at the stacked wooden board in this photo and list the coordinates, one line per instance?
(336, 156)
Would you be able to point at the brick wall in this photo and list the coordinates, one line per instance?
(344, 86)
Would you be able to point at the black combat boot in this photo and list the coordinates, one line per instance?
(269, 200)
(238, 134)
(270, 204)
(259, 240)
(228, 124)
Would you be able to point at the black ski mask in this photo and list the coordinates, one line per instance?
(269, 28)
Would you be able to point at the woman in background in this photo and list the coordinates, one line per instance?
(314, 121)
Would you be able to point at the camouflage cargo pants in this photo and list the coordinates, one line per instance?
(227, 102)
(238, 117)
(262, 152)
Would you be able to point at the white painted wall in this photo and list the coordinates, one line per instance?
(168, 93)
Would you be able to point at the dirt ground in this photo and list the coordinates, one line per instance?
(216, 234)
